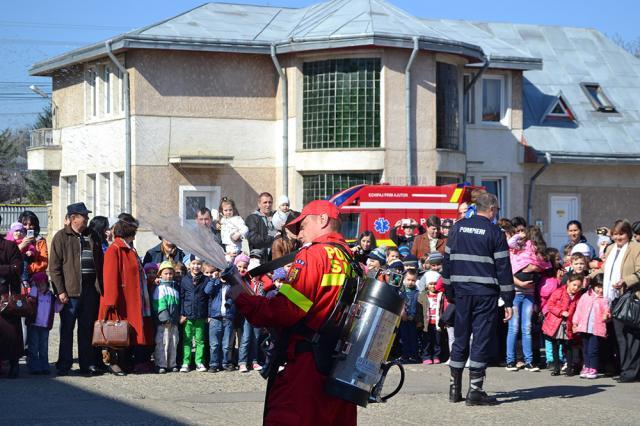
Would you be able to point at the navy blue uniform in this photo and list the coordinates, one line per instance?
(476, 272)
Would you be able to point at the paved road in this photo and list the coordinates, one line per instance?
(234, 398)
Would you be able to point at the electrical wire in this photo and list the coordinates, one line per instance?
(63, 26)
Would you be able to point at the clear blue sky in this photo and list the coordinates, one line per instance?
(33, 30)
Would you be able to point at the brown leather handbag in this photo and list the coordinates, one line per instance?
(114, 334)
(17, 305)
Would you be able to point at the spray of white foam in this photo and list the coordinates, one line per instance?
(197, 240)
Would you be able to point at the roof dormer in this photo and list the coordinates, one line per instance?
(559, 110)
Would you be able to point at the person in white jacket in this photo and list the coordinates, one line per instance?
(232, 226)
(281, 214)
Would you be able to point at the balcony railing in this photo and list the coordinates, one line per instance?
(41, 137)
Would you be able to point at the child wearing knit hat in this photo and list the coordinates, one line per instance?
(282, 212)
(166, 309)
(376, 259)
(248, 350)
(432, 305)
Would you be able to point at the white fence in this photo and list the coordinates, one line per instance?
(11, 212)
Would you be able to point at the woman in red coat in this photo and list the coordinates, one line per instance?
(561, 307)
(125, 291)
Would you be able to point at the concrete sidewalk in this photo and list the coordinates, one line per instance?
(234, 398)
(237, 399)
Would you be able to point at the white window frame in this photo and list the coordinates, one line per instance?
(503, 100)
(106, 85)
(565, 111)
(69, 193)
(91, 187)
(91, 92)
(117, 199)
(120, 88)
(503, 199)
(104, 192)
(211, 193)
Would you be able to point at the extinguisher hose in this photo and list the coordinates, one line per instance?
(400, 383)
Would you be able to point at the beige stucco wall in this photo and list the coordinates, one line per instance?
(56, 214)
(202, 84)
(68, 97)
(606, 193)
(423, 115)
(494, 151)
(251, 143)
(156, 190)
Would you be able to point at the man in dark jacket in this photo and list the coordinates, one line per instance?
(476, 271)
(75, 269)
(205, 218)
(261, 230)
(166, 250)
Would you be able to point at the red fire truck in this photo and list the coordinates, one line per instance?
(377, 208)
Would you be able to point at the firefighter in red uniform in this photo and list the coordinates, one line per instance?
(315, 279)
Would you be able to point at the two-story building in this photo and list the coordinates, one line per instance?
(234, 100)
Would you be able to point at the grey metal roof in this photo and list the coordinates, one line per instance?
(571, 56)
(501, 52)
(253, 29)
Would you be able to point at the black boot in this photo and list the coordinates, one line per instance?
(14, 370)
(455, 384)
(556, 367)
(476, 396)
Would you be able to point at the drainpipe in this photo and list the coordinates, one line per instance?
(465, 94)
(411, 173)
(532, 183)
(127, 128)
(285, 122)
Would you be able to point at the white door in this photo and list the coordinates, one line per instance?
(562, 209)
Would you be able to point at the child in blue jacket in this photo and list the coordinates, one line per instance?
(194, 304)
(222, 312)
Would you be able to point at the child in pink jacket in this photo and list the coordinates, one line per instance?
(590, 319)
(549, 283)
(527, 252)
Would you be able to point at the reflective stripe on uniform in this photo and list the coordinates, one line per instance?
(507, 287)
(331, 280)
(446, 281)
(447, 249)
(295, 297)
(473, 279)
(500, 254)
(471, 258)
(476, 364)
(456, 364)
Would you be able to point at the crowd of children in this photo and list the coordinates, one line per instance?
(561, 313)
(194, 309)
(559, 308)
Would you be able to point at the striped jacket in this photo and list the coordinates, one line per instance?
(476, 261)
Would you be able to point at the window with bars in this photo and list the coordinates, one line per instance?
(447, 122)
(322, 185)
(341, 104)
